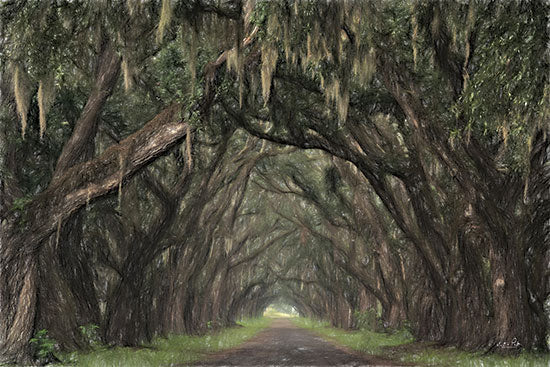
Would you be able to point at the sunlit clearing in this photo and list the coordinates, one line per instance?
(280, 310)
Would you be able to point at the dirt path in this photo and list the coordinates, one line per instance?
(283, 344)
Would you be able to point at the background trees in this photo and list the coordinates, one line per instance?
(171, 165)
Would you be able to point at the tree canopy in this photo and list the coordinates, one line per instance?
(168, 165)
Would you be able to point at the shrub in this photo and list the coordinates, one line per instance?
(90, 333)
(43, 347)
(368, 320)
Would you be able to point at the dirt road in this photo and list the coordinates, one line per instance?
(283, 344)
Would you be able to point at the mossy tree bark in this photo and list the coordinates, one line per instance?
(67, 286)
(22, 238)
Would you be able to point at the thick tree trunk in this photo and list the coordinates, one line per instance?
(18, 302)
(494, 195)
(518, 320)
(84, 132)
(516, 324)
(22, 238)
(66, 301)
(218, 296)
(537, 231)
(173, 304)
(128, 312)
(65, 275)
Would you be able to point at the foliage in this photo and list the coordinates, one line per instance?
(367, 341)
(90, 332)
(431, 356)
(415, 123)
(19, 204)
(400, 346)
(368, 319)
(175, 349)
(43, 346)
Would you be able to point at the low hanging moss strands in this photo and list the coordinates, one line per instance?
(21, 98)
(165, 17)
(377, 164)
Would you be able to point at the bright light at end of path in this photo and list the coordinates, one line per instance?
(280, 310)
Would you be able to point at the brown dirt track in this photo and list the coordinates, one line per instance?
(283, 344)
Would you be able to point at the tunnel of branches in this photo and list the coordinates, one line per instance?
(172, 166)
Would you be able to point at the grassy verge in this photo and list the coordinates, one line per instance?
(363, 340)
(175, 350)
(447, 356)
(400, 347)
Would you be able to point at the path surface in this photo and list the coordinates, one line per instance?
(283, 344)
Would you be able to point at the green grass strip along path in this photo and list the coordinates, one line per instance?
(174, 350)
(401, 347)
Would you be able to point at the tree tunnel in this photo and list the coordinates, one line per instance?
(337, 157)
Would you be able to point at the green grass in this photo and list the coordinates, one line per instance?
(400, 347)
(453, 357)
(175, 350)
(363, 340)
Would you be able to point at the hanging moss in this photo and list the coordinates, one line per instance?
(188, 148)
(46, 89)
(364, 67)
(469, 24)
(334, 93)
(41, 108)
(269, 62)
(121, 163)
(228, 245)
(286, 42)
(21, 97)
(133, 6)
(435, 26)
(193, 53)
(165, 18)
(414, 36)
(126, 73)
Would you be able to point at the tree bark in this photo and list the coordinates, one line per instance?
(20, 240)
(67, 286)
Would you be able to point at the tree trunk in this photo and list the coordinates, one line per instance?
(537, 230)
(516, 324)
(18, 302)
(22, 238)
(128, 312)
(60, 293)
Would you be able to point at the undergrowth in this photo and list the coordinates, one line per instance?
(450, 356)
(174, 350)
(363, 340)
(400, 346)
